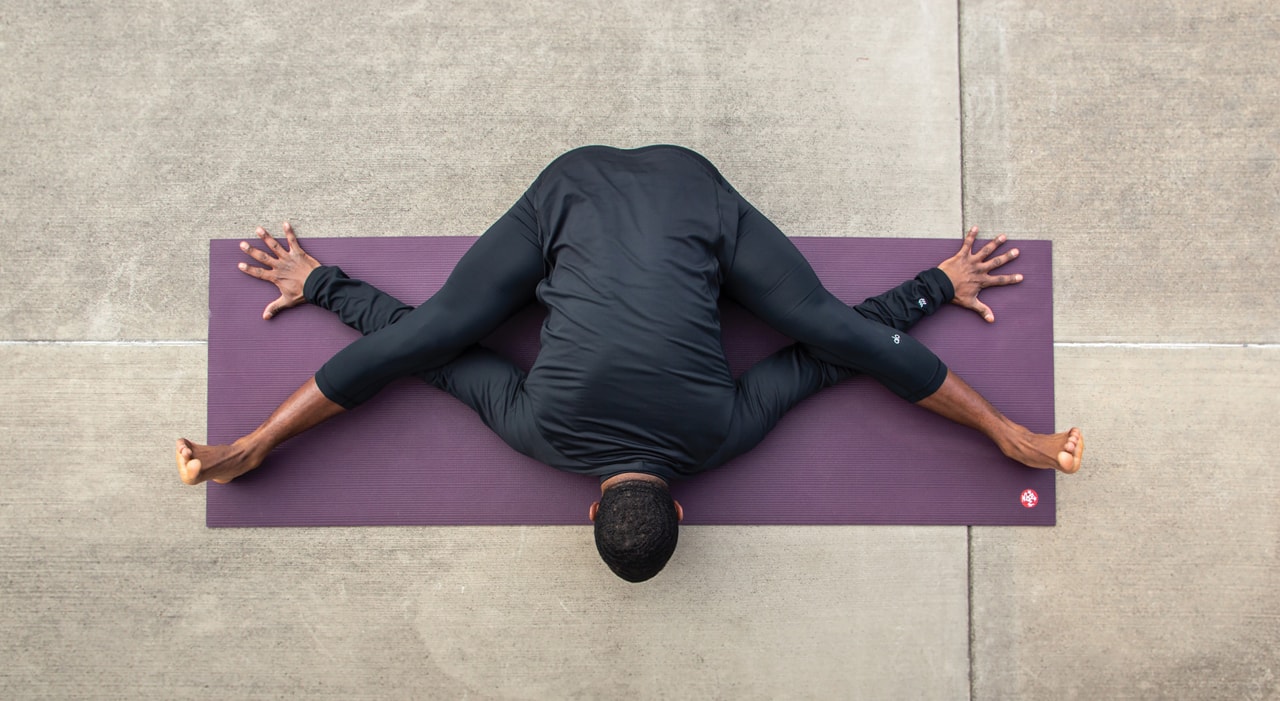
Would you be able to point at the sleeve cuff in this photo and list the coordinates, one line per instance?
(318, 280)
(940, 285)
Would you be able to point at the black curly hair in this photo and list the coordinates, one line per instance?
(637, 526)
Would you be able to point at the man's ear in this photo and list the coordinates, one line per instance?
(679, 511)
(595, 508)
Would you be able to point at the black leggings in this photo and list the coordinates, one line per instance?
(500, 274)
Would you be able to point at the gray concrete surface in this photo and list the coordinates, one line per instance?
(1160, 580)
(132, 133)
(114, 588)
(1141, 138)
(1145, 141)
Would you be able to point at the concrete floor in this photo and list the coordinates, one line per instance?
(1143, 139)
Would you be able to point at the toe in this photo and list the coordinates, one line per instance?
(190, 472)
(1069, 458)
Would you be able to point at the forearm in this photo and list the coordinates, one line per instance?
(358, 304)
(909, 302)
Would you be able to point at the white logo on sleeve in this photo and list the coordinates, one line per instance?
(897, 339)
(922, 303)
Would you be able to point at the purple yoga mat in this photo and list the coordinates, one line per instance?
(853, 454)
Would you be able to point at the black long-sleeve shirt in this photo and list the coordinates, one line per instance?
(608, 387)
(633, 248)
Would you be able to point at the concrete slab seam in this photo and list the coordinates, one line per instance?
(964, 198)
(1060, 344)
(1161, 346)
(104, 343)
(973, 635)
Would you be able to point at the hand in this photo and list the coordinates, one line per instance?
(287, 269)
(970, 272)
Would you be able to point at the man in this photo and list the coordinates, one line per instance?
(629, 251)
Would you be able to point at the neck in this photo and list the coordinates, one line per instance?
(630, 476)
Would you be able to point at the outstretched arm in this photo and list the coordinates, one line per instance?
(301, 278)
(957, 280)
(776, 384)
(483, 380)
(358, 304)
(909, 302)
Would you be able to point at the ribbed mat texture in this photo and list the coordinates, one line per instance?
(853, 454)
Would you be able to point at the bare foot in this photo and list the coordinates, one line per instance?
(220, 463)
(1058, 451)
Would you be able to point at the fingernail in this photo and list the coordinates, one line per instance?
(1018, 278)
(244, 245)
(242, 266)
(1015, 253)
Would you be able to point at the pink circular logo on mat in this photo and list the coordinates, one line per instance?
(1030, 498)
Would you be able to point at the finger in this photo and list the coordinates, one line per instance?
(998, 280)
(295, 248)
(991, 247)
(969, 237)
(999, 260)
(273, 244)
(274, 308)
(254, 271)
(256, 254)
(291, 237)
(984, 311)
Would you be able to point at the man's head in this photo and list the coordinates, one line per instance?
(637, 525)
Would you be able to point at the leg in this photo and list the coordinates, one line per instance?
(496, 277)
(305, 408)
(957, 401)
(773, 280)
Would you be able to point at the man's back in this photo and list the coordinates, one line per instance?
(631, 367)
